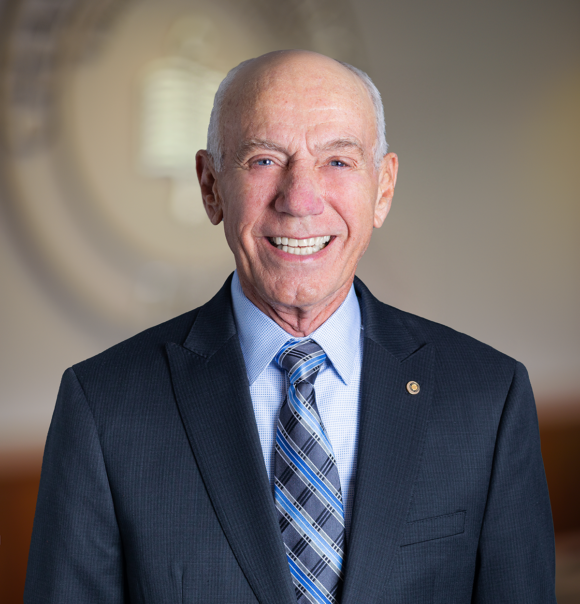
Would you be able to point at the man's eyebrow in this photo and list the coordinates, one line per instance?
(341, 143)
(252, 144)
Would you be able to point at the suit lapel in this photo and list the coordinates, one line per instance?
(391, 436)
(211, 388)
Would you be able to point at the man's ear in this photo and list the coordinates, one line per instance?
(207, 176)
(387, 182)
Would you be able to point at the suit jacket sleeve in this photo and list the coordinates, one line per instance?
(75, 553)
(515, 561)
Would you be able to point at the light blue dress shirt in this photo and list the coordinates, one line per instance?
(337, 386)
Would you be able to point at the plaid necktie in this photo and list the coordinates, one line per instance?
(307, 484)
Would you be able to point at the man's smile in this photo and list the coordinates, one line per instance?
(300, 247)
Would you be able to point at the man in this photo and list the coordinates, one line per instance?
(294, 439)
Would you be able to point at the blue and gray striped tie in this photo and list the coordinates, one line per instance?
(307, 484)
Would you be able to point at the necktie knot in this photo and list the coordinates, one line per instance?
(302, 360)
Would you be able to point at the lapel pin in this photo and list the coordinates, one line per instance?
(413, 387)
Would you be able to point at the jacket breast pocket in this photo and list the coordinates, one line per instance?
(437, 527)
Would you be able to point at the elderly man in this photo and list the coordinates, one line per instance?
(294, 439)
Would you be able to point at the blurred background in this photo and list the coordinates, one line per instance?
(104, 104)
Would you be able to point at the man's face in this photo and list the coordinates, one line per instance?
(299, 191)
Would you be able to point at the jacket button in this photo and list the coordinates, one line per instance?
(413, 387)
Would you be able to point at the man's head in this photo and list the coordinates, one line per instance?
(215, 135)
(299, 157)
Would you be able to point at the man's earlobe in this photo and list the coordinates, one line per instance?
(387, 182)
(207, 177)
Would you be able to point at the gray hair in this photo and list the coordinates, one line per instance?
(381, 145)
(214, 137)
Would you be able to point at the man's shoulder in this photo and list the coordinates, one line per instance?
(146, 350)
(453, 343)
(137, 353)
(447, 339)
(464, 367)
(453, 349)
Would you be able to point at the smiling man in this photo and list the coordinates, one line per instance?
(303, 179)
(294, 439)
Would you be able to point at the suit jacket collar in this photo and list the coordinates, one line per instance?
(214, 324)
(212, 393)
(384, 325)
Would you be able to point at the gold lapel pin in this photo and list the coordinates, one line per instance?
(413, 387)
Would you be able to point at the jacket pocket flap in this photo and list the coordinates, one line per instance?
(434, 528)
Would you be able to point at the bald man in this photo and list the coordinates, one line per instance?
(294, 439)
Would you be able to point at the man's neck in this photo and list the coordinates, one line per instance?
(299, 321)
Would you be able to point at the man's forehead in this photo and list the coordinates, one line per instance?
(302, 82)
(319, 131)
(309, 93)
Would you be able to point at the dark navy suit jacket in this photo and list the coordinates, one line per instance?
(154, 487)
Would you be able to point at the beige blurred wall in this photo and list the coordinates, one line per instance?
(483, 108)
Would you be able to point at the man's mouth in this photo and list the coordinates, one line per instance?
(300, 247)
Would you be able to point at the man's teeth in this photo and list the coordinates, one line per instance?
(301, 247)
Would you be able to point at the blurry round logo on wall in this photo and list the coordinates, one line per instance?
(104, 105)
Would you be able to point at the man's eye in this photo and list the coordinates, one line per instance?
(265, 162)
(338, 163)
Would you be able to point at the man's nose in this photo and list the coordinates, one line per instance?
(299, 194)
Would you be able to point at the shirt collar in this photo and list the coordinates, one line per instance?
(261, 338)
